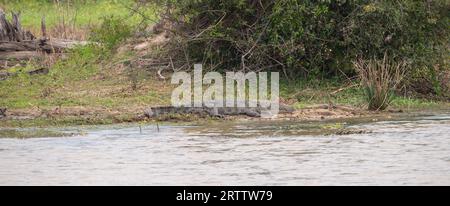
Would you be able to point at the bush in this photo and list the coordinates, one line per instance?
(111, 32)
(380, 79)
(307, 37)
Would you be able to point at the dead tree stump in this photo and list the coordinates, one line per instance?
(19, 44)
(13, 32)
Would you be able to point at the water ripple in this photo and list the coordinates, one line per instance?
(406, 152)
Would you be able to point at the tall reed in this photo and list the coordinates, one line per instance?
(380, 79)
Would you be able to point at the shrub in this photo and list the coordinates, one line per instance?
(307, 37)
(380, 79)
(111, 32)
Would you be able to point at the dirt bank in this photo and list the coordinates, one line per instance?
(68, 116)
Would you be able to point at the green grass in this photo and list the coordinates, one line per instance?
(304, 93)
(79, 13)
(408, 103)
(308, 92)
(90, 76)
(80, 82)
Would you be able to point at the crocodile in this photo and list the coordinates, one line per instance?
(220, 112)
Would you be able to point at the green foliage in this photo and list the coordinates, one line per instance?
(312, 38)
(111, 32)
(81, 64)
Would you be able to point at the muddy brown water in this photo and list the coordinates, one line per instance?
(411, 151)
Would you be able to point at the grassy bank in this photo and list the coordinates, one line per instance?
(304, 93)
(94, 85)
(91, 85)
(105, 96)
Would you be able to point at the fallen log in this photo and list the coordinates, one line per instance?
(16, 43)
(45, 45)
(21, 55)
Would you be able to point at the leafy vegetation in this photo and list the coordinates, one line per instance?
(111, 32)
(312, 39)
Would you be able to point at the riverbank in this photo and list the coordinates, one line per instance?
(316, 120)
(77, 116)
(104, 94)
(96, 86)
(99, 92)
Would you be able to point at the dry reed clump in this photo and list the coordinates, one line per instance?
(69, 31)
(63, 23)
(380, 79)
